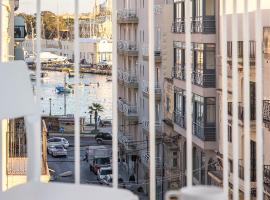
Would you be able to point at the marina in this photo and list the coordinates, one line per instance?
(58, 99)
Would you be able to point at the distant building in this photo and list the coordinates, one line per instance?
(92, 50)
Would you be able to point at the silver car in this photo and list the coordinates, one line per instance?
(57, 151)
(58, 141)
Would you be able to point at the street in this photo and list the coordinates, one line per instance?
(64, 164)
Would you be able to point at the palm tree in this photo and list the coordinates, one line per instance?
(96, 108)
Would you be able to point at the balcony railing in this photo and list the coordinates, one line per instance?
(157, 90)
(178, 72)
(127, 47)
(127, 109)
(198, 25)
(180, 119)
(241, 111)
(204, 132)
(130, 79)
(126, 140)
(130, 111)
(145, 125)
(120, 104)
(120, 75)
(157, 54)
(266, 177)
(203, 25)
(178, 26)
(127, 16)
(203, 80)
(266, 111)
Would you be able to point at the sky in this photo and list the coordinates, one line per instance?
(64, 6)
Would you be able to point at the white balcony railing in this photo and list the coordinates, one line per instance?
(127, 15)
(127, 46)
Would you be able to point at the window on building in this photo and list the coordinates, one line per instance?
(229, 133)
(209, 7)
(179, 10)
(198, 110)
(210, 110)
(174, 159)
(168, 102)
(210, 56)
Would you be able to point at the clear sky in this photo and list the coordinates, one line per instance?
(64, 6)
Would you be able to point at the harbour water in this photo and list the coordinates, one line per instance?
(93, 89)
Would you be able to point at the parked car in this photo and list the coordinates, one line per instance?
(103, 171)
(56, 151)
(56, 141)
(102, 138)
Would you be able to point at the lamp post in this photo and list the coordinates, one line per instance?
(50, 99)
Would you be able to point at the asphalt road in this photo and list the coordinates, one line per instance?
(62, 164)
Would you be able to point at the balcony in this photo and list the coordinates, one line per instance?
(130, 80)
(145, 53)
(199, 24)
(203, 80)
(130, 111)
(180, 119)
(178, 26)
(204, 131)
(145, 126)
(120, 76)
(266, 113)
(157, 91)
(127, 17)
(126, 141)
(266, 178)
(203, 24)
(178, 72)
(127, 48)
(241, 111)
(16, 168)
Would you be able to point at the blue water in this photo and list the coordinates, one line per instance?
(88, 94)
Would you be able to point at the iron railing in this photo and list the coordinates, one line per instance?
(203, 80)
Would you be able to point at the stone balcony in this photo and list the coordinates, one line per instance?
(145, 53)
(127, 17)
(129, 111)
(158, 128)
(157, 91)
(127, 48)
(130, 80)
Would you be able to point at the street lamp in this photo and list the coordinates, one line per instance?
(50, 99)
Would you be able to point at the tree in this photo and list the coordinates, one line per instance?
(96, 108)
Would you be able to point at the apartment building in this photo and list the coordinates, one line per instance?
(215, 177)
(204, 46)
(133, 88)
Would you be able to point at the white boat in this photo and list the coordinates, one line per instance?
(109, 78)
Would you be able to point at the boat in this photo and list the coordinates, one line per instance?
(71, 74)
(44, 74)
(109, 78)
(62, 89)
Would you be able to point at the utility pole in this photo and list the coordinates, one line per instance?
(50, 99)
(65, 96)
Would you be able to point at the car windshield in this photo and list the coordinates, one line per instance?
(103, 161)
(106, 172)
